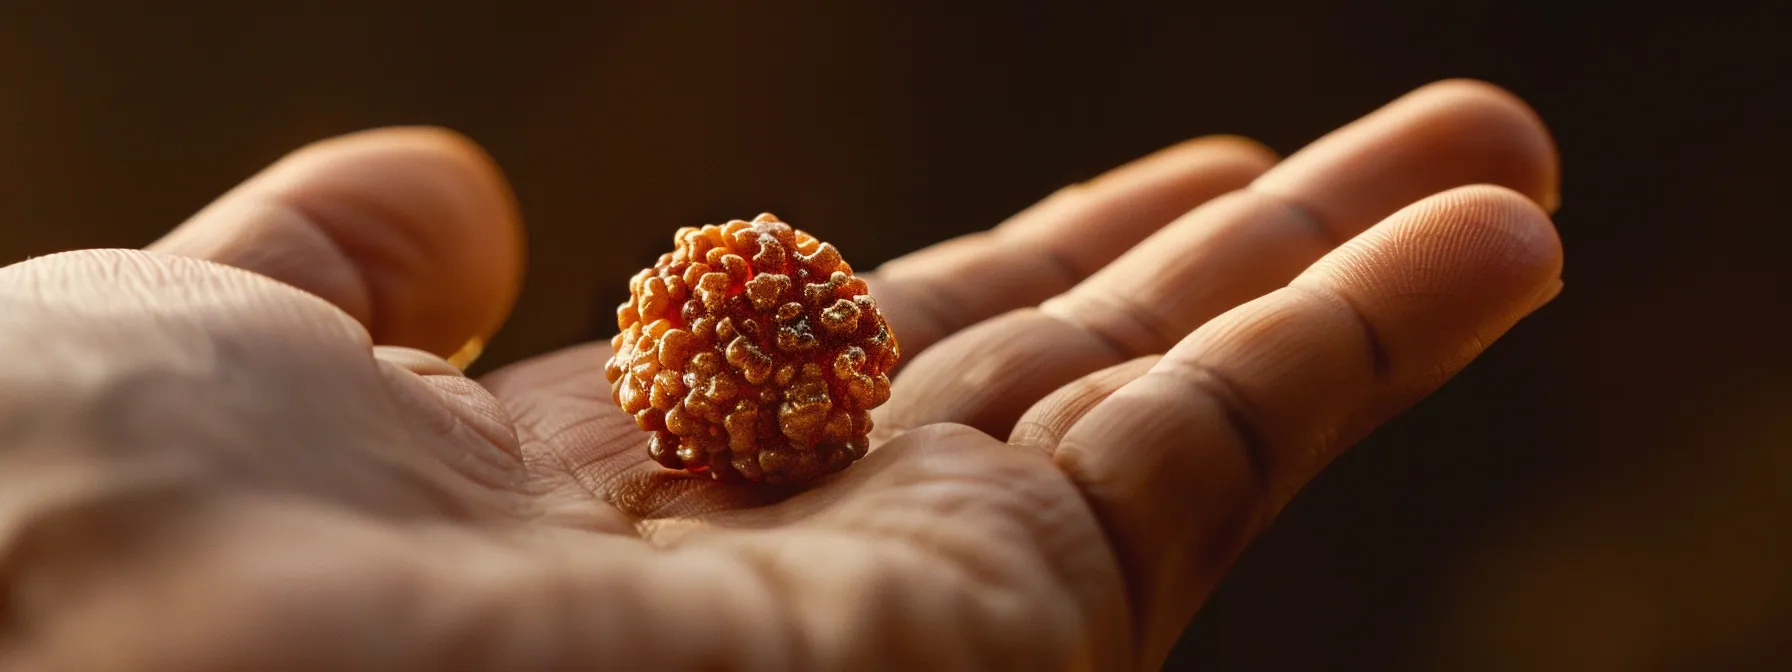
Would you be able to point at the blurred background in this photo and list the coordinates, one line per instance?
(1606, 490)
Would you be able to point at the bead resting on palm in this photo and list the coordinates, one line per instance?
(752, 352)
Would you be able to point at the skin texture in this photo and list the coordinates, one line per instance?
(243, 449)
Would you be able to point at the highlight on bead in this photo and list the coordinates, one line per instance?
(751, 352)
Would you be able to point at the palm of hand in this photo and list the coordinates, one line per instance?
(1074, 452)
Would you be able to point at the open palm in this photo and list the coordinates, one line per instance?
(1104, 399)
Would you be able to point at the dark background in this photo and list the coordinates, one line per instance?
(1605, 490)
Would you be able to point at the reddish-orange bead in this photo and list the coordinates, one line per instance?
(752, 352)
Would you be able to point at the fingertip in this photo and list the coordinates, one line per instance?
(1506, 118)
(1510, 222)
(1241, 148)
(437, 140)
(1467, 86)
(431, 220)
(449, 155)
(1482, 221)
(446, 161)
(1536, 251)
(1478, 256)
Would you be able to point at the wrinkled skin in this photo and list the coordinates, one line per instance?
(243, 449)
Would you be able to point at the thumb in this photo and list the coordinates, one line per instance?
(411, 231)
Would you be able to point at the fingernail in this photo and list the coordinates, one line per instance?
(1549, 294)
(1552, 200)
(468, 353)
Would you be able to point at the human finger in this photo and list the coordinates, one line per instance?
(1230, 250)
(934, 292)
(412, 231)
(1185, 464)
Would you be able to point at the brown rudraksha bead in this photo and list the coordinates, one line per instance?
(752, 352)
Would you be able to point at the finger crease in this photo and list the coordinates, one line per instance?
(1242, 419)
(1133, 319)
(1035, 435)
(1380, 363)
(1066, 269)
(1314, 223)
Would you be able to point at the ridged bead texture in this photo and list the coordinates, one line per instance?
(751, 352)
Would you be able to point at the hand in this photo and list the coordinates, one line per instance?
(271, 466)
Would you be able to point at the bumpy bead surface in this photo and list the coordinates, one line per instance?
(752, 352)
